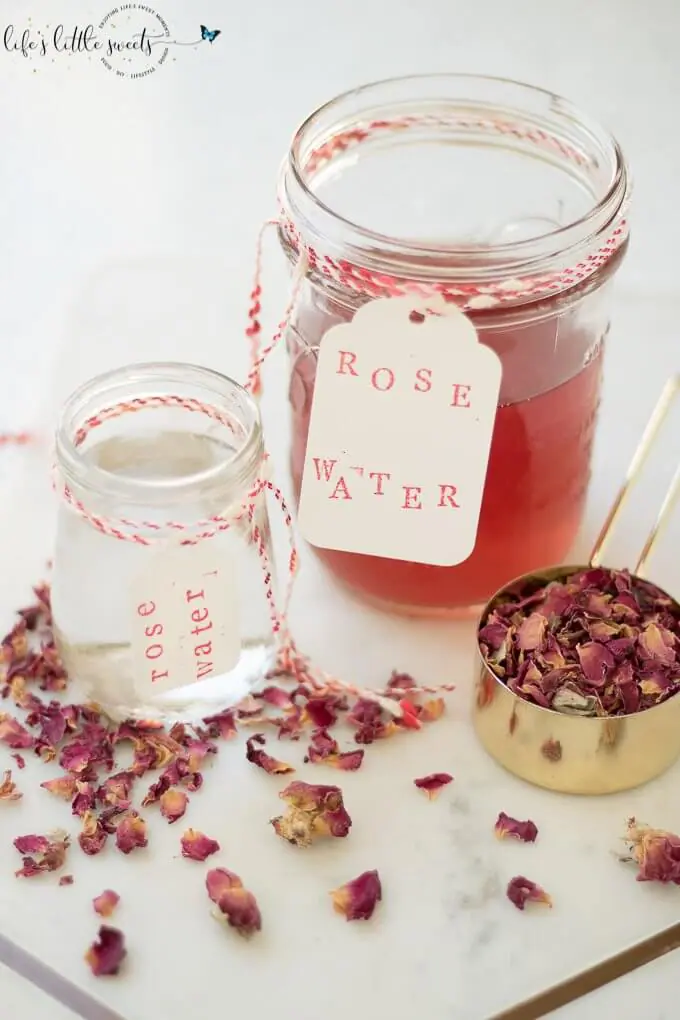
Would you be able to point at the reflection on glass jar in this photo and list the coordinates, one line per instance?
(509, 202)
(159, 599)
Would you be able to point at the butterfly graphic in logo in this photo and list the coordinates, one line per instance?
(210, 34)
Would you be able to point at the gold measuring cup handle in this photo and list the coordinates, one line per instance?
(664, 404)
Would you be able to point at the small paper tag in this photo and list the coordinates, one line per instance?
(401, 425)
(185, 623)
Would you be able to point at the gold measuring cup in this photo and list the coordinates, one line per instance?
(571, 753)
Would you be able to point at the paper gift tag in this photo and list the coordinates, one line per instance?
(400, 432)
(185, 623)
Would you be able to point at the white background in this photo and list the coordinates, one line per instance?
(128, 214)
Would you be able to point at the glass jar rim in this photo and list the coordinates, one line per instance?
(304, 213)
(156, 380)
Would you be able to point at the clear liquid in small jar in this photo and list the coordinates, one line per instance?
(91, 593)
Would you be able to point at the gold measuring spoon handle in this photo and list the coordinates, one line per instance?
(659, 414)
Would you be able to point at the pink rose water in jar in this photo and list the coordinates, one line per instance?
(511, 203)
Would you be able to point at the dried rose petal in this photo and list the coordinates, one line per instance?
(260, 758)
(106, 903)
(115, 791)
(32, 844)
(598, 642)
(13, 733)
(521, 891)
(63, 786)
(41, 853)
(433, 783)
(432, 709)
(19, 759)
(313, 811)
(84, 799)
(66, 880)
(236, 905)
(325, 748)
(173, 804)
(509, 828)
(93, 835)
(275, 696)
(106, 955)
(131, 833)
(8, 788)
(197, 846)
(222, 725)
(358, 899)
(656, 852)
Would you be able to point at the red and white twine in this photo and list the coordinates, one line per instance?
(370, 284)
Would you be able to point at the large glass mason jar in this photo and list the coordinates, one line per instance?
(162, 586)
(511, 203)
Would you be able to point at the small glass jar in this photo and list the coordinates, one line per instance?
(509, 202)
(160, 605)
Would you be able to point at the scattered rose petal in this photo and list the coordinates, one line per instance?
(260, 758)
(358, 899)
(509, 828)
(409, 717)
(432, 710)
(13, 733)
(656, 852)
(312, 811)
(93, 835)
(236, 905)
(325, 748)
(84, 799)
(8, 788)
(19, 759)
(106, 955)
(197, 846)
(63, 786)
(106, 903)
(131, 833)
(222, 725)
(41, 853)
(115, 791)
(433, 783)
(521, 891)
(66, 880)
(173, 804)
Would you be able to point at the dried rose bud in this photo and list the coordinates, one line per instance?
(173, 804)
(521, 891)
(66, 880)
(41, 853)
(509, 828)
(131, 833)
(656, 852)
(197, 846)
(93, 836)
(358, 899)
(106, 903)
(236, 905)
(106, 955)
(64, 787)
(8, 788)
(13, 733)
(312, 811)
(260, 758)
(433, 784)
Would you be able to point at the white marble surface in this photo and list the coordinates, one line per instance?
(128, 218)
